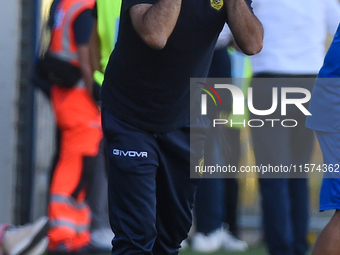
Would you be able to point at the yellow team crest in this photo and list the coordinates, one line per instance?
(217, 4)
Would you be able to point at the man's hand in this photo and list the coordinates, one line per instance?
(155, 23)
(245, 26)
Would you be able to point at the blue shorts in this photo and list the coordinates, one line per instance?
(330, 188)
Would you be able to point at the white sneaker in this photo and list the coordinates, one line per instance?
(184, 245)
(207, 243)
(231, 243)
(102, 238)
(18, 240)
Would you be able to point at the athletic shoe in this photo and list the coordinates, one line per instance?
(208, 243)
(39, 248)
(184, 245)
(19, 240)
(231, 243)
(102, 238)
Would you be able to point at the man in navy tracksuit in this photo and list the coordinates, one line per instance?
(146, 114)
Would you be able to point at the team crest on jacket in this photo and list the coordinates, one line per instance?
(216, 4)
(201, 165)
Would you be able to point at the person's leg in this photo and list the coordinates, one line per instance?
(301, 146)
(208, 211)
(132, 163)
(328, 242)
(271, 148)
(211, 233)
(210, 191)
(175, 190)
(299, 199)
(276, 220)
(208, 216)
(96, 197)
(79, 121)
(231, 205)
(231, 184)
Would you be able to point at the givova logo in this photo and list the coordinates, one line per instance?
(131, 154)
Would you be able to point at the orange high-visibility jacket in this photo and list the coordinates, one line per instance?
(63, 44)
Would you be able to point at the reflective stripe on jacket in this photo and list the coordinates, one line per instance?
(69, 223)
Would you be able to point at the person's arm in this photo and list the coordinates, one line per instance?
(82, 31)
(245, 26)
(85, 66)
(155, 22)
(95, 49)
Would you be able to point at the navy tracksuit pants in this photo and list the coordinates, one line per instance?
(151, 194)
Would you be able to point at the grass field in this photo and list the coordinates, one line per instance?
(259, 250)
